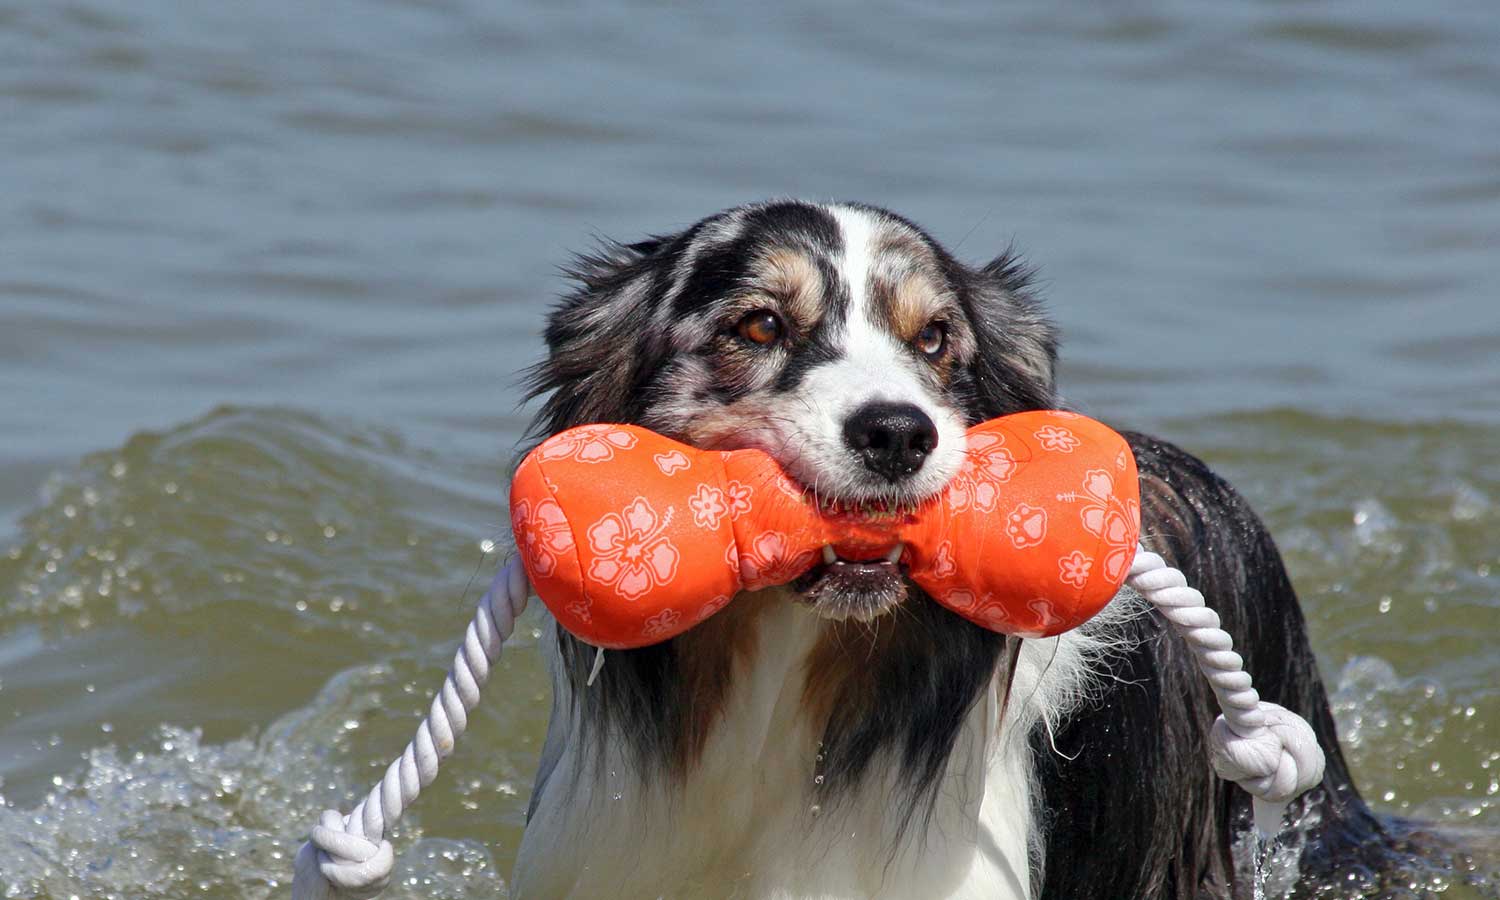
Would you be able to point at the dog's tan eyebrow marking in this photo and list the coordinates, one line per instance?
(907, 290)
(791, 277)
(909, 303)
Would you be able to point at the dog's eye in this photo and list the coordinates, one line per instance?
(760, 327)
(932, 340)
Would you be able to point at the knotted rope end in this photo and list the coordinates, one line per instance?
(1268, 750)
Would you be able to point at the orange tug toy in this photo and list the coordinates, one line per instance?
(631, 538)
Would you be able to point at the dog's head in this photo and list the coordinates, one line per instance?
(850, 346)
(841, 339)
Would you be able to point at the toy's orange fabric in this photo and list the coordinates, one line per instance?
(631, 538)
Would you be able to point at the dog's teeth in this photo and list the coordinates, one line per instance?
(895, 555)
(828, 555)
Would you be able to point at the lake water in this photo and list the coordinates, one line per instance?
(268, 273)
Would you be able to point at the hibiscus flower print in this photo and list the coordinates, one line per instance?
(1056, 439)
(1114, 521)
(1098, 487)
(588, 444)
(661, 625)
(770, 560)
(631, 552)
(542, 534)
(987, 465)
(1074, 568)
(708, 506)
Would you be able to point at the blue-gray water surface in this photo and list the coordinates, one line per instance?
(269, 272)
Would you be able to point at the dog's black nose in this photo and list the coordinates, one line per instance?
(893, 439)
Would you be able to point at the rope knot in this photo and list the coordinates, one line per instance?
(1275, 762)
(352, 865)
(1266, 749)
(339, 860)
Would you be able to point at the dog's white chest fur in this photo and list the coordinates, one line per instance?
(743, 822)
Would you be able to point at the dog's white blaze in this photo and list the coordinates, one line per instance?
(874, 367)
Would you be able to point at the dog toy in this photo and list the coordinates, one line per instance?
(631, 538)
(1271, 752)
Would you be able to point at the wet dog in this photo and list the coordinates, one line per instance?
(844, 735)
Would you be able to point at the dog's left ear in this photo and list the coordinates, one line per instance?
(1015, 366)
(598, 340)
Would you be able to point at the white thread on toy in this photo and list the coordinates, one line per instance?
(348, 856)
(598, 665)
(1266, 749)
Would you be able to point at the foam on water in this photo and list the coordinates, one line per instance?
(214, 633)
(187, 819)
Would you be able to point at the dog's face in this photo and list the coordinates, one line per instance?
(841, 340)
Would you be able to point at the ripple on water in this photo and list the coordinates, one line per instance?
(215, 576)
(279, 509)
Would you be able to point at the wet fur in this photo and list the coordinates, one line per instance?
(1126, 805)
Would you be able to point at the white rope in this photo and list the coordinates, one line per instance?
(1266, 749)
(1269, 751)
(348, 856)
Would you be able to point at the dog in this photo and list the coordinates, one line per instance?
(844, 735)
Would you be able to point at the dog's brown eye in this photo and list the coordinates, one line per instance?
(760, 327)
(932, 340)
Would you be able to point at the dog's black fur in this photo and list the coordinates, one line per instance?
(1172, 836)
(1129, 805)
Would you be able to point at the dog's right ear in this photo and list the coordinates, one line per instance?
(599, 341)
(1015, 367)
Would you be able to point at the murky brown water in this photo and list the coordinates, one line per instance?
(268, 272)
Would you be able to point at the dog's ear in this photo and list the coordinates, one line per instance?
(1014, 368)
(650, 245)
(599, 339)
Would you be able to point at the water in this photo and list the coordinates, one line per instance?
(268, 273)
